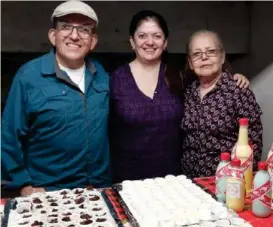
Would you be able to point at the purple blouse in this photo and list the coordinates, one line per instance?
(145, 134)
(211, 126)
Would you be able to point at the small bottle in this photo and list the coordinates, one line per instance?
(262, 191)
(235, 194)
(244, 152)
(220, 177)
(269, 161)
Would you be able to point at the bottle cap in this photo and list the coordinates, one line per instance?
(243, 121)
(262, 166)
(225, 156)
(236, 162)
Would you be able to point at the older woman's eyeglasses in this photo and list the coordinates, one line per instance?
(209, 53)
(66, 29)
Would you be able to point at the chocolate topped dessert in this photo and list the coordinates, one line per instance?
(86, 222)
(36, 200)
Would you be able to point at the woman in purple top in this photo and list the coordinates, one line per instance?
(146, 106)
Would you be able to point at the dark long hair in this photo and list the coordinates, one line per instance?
(173, 77)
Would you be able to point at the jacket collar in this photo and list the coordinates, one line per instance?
(50, 66)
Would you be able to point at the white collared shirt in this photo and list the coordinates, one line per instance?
(76, 75)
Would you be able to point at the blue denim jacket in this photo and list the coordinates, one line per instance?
(53, 135)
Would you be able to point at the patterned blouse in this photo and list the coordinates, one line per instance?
(145, 133)
(211, 126)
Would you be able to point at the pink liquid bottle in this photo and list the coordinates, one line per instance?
(269, 161)
(261, 194)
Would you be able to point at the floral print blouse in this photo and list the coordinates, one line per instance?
(211, 126)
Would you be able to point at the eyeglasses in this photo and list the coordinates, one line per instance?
(209, 53)
(66, 29)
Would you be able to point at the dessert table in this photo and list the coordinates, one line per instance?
(208, 184)
(125, 217)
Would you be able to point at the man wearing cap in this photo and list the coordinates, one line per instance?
(54, 126)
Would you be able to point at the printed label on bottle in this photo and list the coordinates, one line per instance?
(270, 161)
(234, 190)
(261, 192)
(222, 172)
(235, 173)
(221, 175)
(246, 163)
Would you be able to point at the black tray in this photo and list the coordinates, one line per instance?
(10, 204)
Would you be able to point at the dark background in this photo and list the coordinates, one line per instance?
(246, 29)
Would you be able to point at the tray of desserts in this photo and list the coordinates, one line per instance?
(64, 208)
(172, 201)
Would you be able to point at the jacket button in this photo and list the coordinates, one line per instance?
(63, 92)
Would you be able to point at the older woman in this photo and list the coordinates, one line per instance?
(213, 105)
(146, 98)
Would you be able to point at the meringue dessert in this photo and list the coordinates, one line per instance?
(174, 201)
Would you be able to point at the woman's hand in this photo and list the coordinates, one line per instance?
(242, 81)
(28, 190)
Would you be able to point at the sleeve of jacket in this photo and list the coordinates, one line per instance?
(248, 107)
(14, 132)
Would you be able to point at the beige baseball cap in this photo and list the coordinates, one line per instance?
(75, 6)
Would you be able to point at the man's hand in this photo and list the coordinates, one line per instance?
(39, 190)
(28, 190)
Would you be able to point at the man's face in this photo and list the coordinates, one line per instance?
(73, 38)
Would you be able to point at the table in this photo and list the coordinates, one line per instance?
(208, 184)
